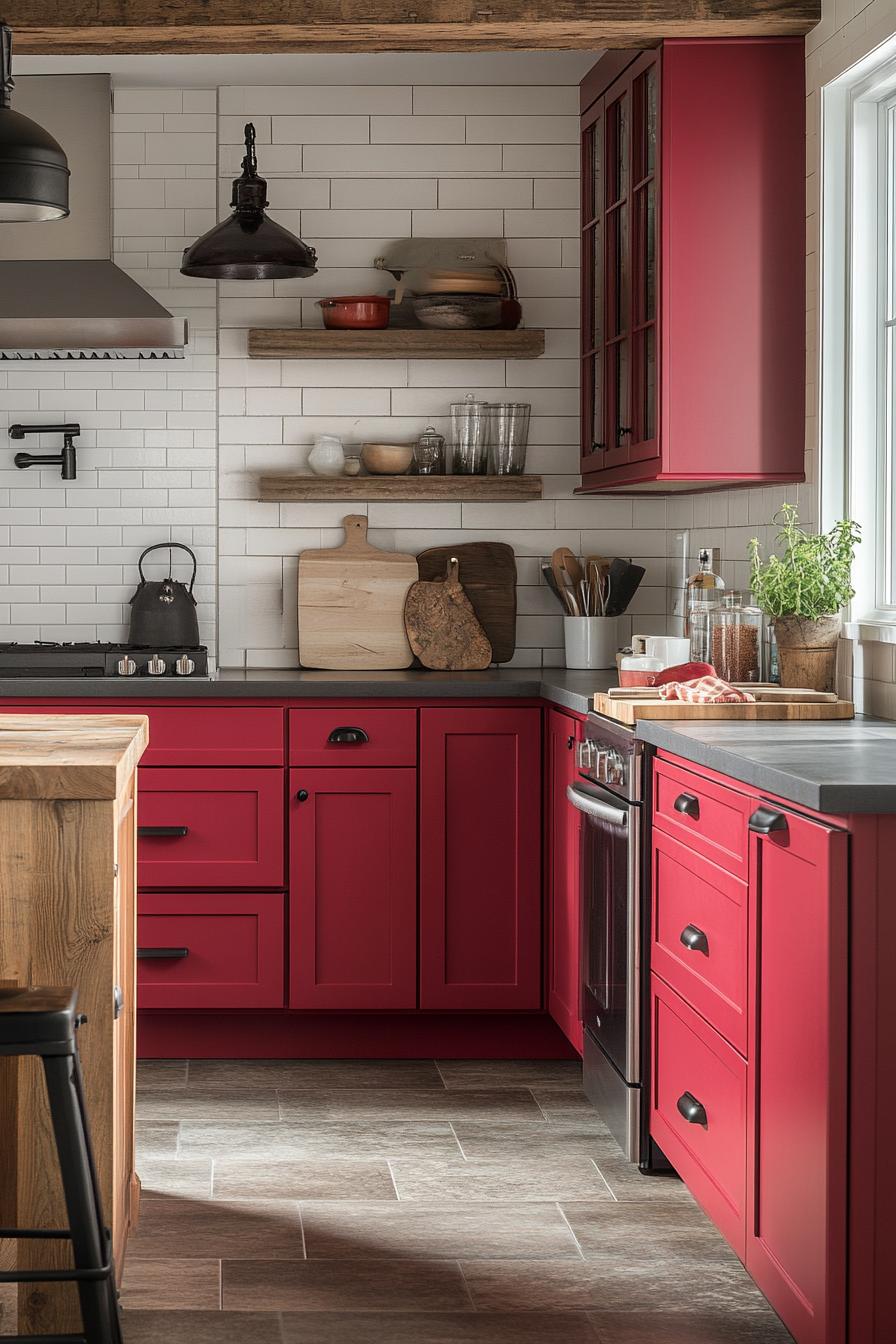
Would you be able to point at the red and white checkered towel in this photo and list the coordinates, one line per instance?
(705, 691)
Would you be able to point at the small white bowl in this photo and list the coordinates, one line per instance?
(387, 459)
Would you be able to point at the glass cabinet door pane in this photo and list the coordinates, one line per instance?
(617, 238)
(619, 394)
(597, 397)
(648, 407)
(650, 121)
(648, 260)
(597, 169)
(597, 298)
(618, 156)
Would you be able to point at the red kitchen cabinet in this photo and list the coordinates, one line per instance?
(210, 951)
(480, 858)
(565, 916)
(693, 264)
(210, 828)
(353, 888)
(796, 1243)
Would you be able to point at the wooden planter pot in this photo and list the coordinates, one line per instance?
(807, 651)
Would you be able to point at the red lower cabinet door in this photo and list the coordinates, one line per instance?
(796, 1245)
(699, 1110)
(210, 828)
(220, 950)
(480, 858)
(353, 888)
(565, 921)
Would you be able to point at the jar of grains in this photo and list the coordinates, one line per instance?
(736, 640)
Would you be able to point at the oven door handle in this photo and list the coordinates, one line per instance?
(593, 807)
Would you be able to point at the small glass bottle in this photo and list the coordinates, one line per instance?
(705, 591)
(429, 453)
(736, 641)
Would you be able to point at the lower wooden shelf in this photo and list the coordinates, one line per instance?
(394, 343)
(325, 489)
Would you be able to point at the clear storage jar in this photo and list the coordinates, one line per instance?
(736, 640)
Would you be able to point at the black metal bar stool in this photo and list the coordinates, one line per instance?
(43, 1022)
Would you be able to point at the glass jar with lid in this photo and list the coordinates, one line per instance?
(704, 593)
(429, 453)
(736, 640)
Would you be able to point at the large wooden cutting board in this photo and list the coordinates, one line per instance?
(629, 711)
(351, 604)
(487, 570)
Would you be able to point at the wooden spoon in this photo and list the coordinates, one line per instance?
(570, 563)
(563, 582)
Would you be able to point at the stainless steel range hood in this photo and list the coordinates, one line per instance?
(61, 296)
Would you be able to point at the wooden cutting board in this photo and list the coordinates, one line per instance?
(629, 711)
(351, 604)
(442, 626)
(487, 570)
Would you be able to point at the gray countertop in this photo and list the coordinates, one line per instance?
(569, 689)
(838, 766)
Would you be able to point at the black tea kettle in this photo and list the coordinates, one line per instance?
(163, 613)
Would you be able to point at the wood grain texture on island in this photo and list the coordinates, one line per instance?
(68, 874)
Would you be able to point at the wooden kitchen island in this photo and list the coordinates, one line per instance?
(67, 917)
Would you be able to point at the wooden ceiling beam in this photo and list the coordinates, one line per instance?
(137, 27)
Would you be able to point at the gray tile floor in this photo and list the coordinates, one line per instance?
(412, 1202)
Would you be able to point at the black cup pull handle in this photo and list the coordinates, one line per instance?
(695, 940)
(688, 804)
(692, 1110)
(162, 830)
(347, 736)
(162, 953)
(302, 795)
(765, 820)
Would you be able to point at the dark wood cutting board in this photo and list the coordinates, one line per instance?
(487, 570)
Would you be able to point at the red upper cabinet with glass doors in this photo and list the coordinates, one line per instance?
(693, 264)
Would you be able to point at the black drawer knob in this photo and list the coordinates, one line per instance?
(162, 953)
(688, 804)
(695, 940)
(765, 820)
(347, 736)
(161, 830)
(692, 1110)
(302, 795)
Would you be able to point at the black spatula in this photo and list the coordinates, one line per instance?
(624, 580)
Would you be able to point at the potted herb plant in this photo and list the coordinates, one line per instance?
(804, 592)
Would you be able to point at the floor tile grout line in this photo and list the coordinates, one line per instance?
(559, 1208)
(441, 1075)
(467, 1288)
(389, 1161)
(457, 1140)
(302, 1227)
(604, 1179)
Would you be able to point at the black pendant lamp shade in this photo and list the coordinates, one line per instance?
(33, 167)
(248, 245)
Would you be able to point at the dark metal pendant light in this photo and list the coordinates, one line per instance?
(248, 245)
(33, 167)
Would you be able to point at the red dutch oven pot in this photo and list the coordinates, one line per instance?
(356, 311)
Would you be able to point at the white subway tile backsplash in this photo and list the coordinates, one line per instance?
(549, 101)
(540, 158)
(480, 193)
(397, 159)
(458, 224)
(316, 130)
(314, 100)
(440, 130)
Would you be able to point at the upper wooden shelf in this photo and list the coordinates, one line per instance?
(329, 489)
(393, 343)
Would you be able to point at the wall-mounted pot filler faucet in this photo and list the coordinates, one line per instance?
(66, 458)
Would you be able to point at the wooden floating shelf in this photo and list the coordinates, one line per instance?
(336, 489)
(393, 343)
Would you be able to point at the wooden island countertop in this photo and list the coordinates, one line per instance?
(68, 871)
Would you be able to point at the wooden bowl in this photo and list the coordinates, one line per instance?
(387, 459)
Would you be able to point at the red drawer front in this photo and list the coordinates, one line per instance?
(234, 822)
(234, 945)
(391, 734)
(709, 818)
(690, 1058)
(199, 734)
(700, 936)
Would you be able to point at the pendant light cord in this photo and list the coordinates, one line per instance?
(7, 84)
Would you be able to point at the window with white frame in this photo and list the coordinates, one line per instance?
(858, 328)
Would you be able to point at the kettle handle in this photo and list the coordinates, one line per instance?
(168, 546)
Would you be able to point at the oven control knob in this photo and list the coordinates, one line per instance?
(184, 667)
(156, 667)
(126, 667)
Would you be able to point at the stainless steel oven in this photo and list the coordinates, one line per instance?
(611, 794)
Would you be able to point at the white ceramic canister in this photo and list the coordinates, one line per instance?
(590, 641)
(326, 457)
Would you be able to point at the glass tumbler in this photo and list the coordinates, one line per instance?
(429, 453)
(508, 437)
(469, 437)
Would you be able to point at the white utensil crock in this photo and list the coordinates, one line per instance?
(590, 641)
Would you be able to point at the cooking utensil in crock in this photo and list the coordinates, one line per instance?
(163, 612)
(358, 312)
